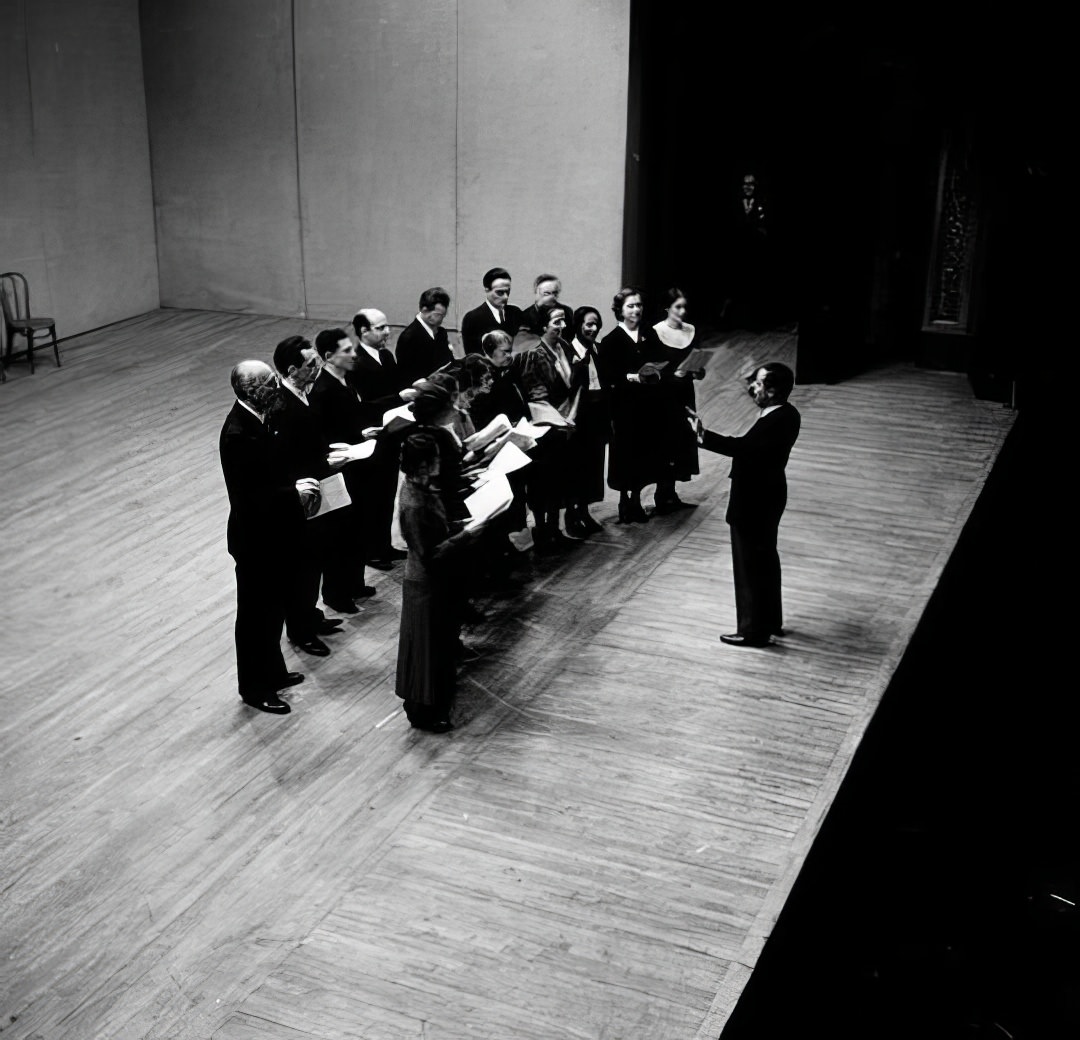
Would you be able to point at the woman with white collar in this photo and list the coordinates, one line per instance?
(586, 479)
(677, 339)
(630, 358)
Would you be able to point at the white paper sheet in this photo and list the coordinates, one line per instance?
(509, 458)
(490, 498)
(498, 426)
(404, 412)
(542, 412)
(334, 494)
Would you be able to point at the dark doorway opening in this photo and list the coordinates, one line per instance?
(842, 121)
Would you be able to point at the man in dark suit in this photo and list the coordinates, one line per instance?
(756, 502)
(338, 411)
(266, 518)
(293, 421)
(379, 384)
(423, 345)
(496, 312)
(546, 290)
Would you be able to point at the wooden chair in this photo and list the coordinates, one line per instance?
(15, 297)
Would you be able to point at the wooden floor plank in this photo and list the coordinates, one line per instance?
(600, 849)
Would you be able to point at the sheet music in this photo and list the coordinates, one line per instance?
(526, 429)
(499, 425)
(490, 498)
(333, 494)
(403, 412)
(352, 452)
(542, 412)
(507, 459)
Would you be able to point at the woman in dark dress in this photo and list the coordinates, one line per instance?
(548, 375)
(504, 396)
(430, 599)
(586, 476)
(677, 337)
(628, 360)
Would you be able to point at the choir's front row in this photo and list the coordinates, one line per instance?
(447, 465)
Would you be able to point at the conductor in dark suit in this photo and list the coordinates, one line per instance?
(496, 312)
(423, 345)
(266, 518)
(756, 502)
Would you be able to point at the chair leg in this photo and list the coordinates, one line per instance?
(55, 345)
(30, 348)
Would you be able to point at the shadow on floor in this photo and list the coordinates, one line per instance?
(940, 899)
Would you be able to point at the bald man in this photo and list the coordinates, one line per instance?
(266, 521)
(379, 383)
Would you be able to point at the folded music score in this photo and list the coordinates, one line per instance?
(333, 495)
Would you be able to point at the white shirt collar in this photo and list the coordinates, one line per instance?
(244, 404)
(634, 334)
(765, 411)
(495, 311)
(301, 394)
(329, 370)
(426, 327)
(372, 352)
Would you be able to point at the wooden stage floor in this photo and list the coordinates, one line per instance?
(598, 851)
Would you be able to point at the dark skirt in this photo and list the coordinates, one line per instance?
(585, 481)
(427, 645)
(547, 478)
(638, 454)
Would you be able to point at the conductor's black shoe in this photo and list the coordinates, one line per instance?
(342, 606)
(328, 626)
(314, 646)
(735, 639)
(364, 592)
(290, 679)
(380, 564)
(268, 702)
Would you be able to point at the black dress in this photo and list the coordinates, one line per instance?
(430, 605)
(586, 478)
(678, 437)
(638, 453)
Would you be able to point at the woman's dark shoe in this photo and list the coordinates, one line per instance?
(672, 504)
(591, 526)
(577, 528)
(631, 512)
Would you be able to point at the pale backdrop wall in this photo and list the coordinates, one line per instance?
(312, 157)
(76, 212)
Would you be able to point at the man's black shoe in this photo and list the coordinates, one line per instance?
(734, 639)
(268, 702)
(328, 626)
(364, 592)
(397, 554)
(290, 679)
(314, 646)
(380, 565)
